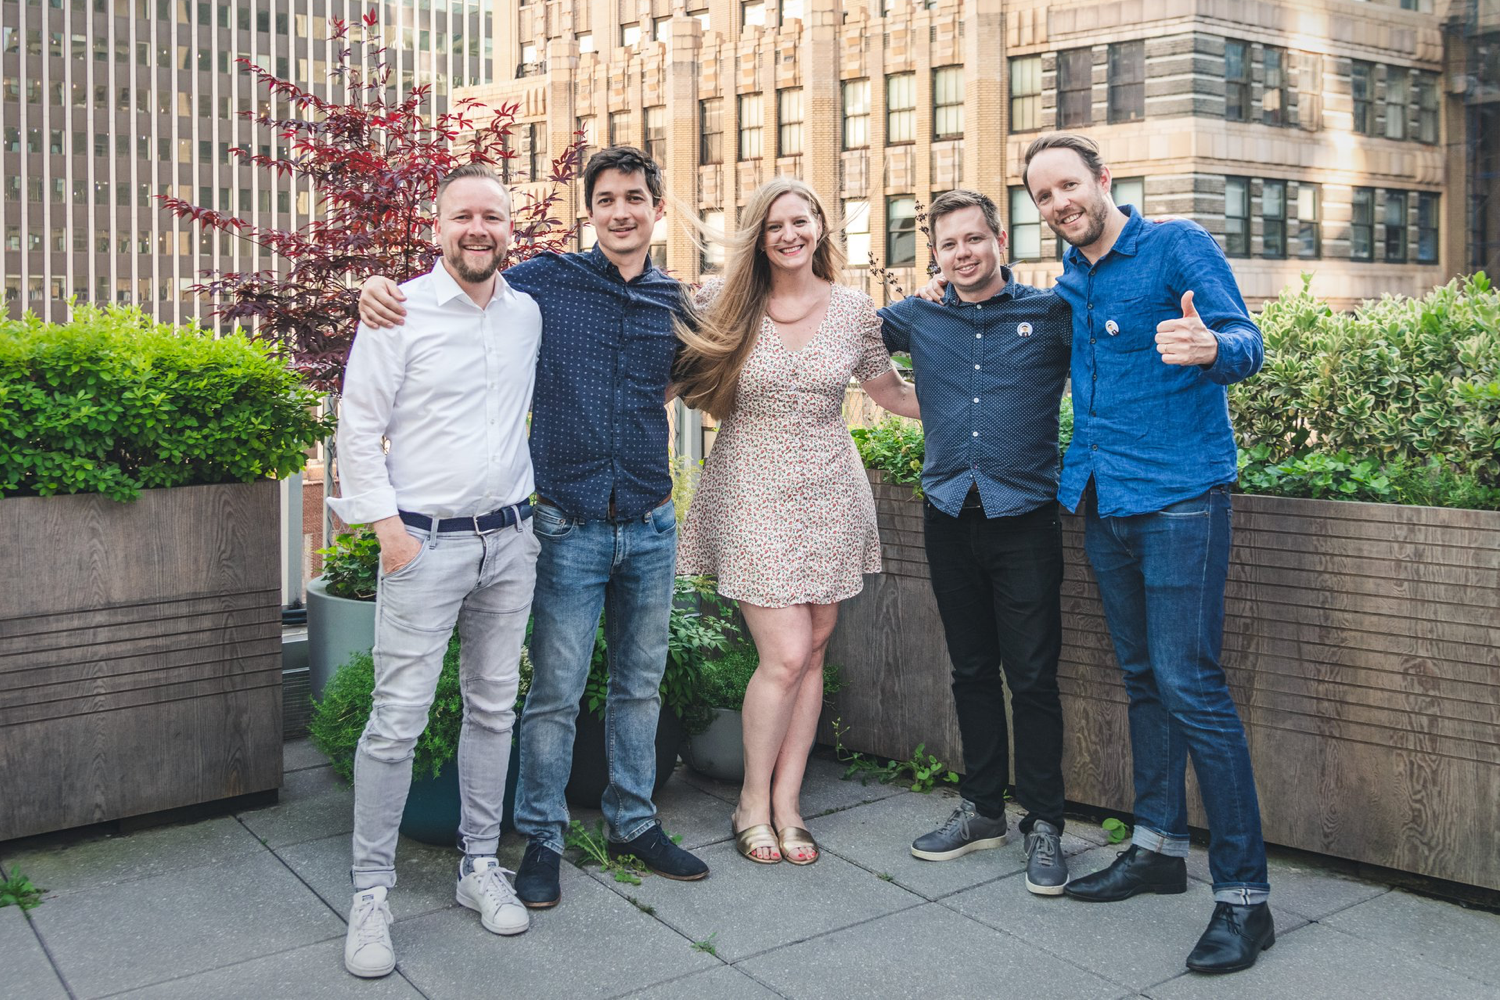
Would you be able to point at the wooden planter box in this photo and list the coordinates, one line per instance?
(140, 653)
(1362, 644)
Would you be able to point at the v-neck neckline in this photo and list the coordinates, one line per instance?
(817, 331)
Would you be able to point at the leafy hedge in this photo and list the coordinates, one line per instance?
(114, 402)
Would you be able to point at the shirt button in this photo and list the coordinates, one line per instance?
(976, 399)
(978, 336)
(976, 368)
(976, 433)
(1093, 447)
(1091, 305)
(980, 308)
(1091, 340)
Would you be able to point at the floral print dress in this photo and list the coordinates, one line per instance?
(783, 514)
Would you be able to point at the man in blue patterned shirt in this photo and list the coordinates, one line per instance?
(990, 361)
(1159, 330)
(604, 516)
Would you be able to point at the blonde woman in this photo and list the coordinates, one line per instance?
(783, 516)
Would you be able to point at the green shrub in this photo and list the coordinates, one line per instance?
(351, 565)
(113, 402)
(726, 678)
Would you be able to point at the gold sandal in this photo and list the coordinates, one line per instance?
(795, 838)
(755, 838)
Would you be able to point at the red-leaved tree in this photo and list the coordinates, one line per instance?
(374, 167)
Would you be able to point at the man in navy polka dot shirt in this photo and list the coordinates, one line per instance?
(604, 515)
(990, 361)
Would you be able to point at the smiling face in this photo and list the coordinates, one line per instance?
(968, 251)
(791, 233)
(623, 213)
(473, 228)
(1074, 203)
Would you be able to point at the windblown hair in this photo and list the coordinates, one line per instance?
(1086, 148)
(719, 338)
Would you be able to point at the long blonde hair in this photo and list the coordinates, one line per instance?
(718, 340)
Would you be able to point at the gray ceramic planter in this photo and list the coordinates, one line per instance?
(337, 628)
(719, 751)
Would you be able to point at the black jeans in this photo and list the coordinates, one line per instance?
(997, 583)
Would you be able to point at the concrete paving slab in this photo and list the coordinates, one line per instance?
(133, 934)
(593, 944)
(299, 755)
(315, 972)
(723, 983)
(1136, 942)
(1446, 934)
(1319, 961)
(753, 907)
(109, 860)
(718, 789)
(1299, 886)
(927, 951)
(314, 804)
(699, 817)
(424, 874)
(28, 971)
(824, 790)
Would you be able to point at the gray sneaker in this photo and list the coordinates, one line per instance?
(963, 832)
(1046, 869)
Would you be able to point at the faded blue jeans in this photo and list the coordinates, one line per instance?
(627, 569)
(1161, 580)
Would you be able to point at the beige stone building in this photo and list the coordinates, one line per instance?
(1328, 136)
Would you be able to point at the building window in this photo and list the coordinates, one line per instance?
(948, 102)
(1397, 99)
(900, 108)
(752, 14)
(659, 244)
(751, 112)
(630, 35)
(1025, 226)
(1362, 94)
(792, 10)
(1362, 224)
(1427, 107)
(900, 232)
(1026, 93)
(1237, 216)
(1127, 81)
(619, 128)
(661, 29)
(656, 133)
(711, 131)
(857, 231)
(856, 114)
(1075, 88)
(1273, 219)
(585, 42)
(1273, 96)
(1427, 228)
(1395, 227)
(789, 122)
(711, 260)
(1309, 221)
(1129, 191)
(1236, 81)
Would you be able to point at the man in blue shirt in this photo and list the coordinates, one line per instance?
(1159, 329)
(604, 516)
(990, 361)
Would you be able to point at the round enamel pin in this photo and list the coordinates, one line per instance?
(1111, 327)
(1023, 330)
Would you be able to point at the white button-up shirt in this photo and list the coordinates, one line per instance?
(449, 390)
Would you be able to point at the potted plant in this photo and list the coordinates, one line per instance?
(341, 605)
(432, 806)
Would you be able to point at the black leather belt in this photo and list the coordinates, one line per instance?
(478, 524)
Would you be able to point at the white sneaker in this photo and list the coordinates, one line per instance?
(367, 946)
(486, 890)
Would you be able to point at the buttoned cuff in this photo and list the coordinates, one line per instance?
(364, 508)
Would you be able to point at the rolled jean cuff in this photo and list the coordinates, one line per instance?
(636, 832)
(1148, 839)
(369, 878)
(481, 848)
(1243, 894)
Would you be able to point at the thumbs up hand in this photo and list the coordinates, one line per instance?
(1186, 341)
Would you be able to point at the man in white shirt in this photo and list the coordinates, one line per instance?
(433, 455)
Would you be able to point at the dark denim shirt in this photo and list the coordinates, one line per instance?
(1149, 433)
(598, 415)
(989, 377)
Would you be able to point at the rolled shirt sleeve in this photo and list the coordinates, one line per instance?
(371, 381)
(1200, 266)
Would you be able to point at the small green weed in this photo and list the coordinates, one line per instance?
(1116, 830)
(645, 908)
(18, 891)
(922, 769)
(885, 876)
(592, 850)
(707, 945)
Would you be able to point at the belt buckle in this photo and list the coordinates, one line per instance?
(479, 531)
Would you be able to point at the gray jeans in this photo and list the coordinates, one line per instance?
(484, 584)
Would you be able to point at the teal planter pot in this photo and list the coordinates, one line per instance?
(719, 751)
(337, 628)
(432, 807)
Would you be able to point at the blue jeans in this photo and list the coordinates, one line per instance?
(627, 569)
(1161, 581)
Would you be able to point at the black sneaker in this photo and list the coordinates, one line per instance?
(536, 883)
(964, 831)
(1235, 938)
(657, 852)
(1046, 869)
(1133, 870)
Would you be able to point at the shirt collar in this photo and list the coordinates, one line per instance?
(445, 289)
(1125, 243)
(596, 257)
(1008, 291)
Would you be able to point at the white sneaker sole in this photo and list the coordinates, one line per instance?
(958, 852)
(1047, 890)
(492, 928)
(370, 973)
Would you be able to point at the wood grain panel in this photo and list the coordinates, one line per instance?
(1362, 644)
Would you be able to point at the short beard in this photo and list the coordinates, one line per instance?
(471, 274)
(1096, 213)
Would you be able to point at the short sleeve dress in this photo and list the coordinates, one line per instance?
(783, 514)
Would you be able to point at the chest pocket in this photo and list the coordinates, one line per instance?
(1129, 325)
